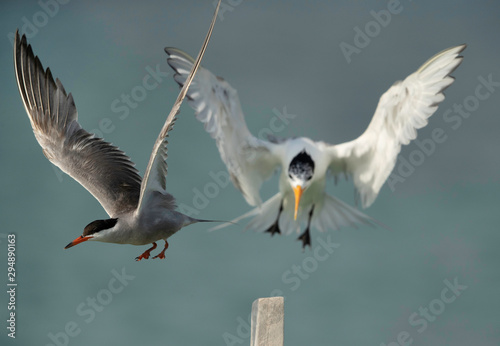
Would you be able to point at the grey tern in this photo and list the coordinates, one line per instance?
(141, 211)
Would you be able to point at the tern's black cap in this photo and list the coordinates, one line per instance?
(98, 225)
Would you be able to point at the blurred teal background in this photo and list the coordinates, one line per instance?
(371, 290)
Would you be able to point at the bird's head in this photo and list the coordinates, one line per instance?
(91, 231)
(300, 173)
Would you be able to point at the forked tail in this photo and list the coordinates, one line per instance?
(335, 214)
(330, 213)
(191, 220)
(265, 215)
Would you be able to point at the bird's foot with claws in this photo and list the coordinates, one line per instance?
(274, 229)
(305, 238)
(146, 253)
(161, 255)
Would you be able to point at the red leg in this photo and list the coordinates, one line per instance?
(146, 253)
(161, 255)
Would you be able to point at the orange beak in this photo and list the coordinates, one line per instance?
(298, 193)
(77, 241)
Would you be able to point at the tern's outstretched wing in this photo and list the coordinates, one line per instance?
(402, 110)
(103, 169)
(156, 172)
(249, 160)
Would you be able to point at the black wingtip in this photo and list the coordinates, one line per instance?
(18, 41)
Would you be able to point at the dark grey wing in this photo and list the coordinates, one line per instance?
(103, 169)
(155, 176)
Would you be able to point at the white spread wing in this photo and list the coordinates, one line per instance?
(402, 110)
(249, 160)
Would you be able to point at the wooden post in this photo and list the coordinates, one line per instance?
(267, 322)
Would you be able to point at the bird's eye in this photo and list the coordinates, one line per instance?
(309, 177)
(289, 176)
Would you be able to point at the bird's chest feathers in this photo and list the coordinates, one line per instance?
(310, 195)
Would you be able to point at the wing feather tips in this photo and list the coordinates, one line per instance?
(435, 78)
(44, 98)
(181, 63)
(21, 70)
(177, 54)
(443, 63)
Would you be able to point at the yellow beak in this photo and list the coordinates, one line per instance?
(298, 193)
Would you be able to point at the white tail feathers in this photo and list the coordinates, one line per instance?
(331, 213)
(265, 215)
(335, 214)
